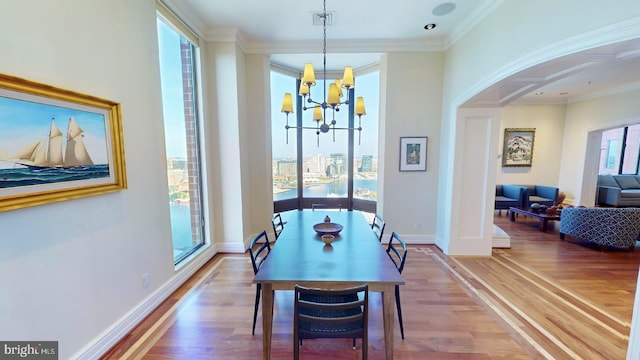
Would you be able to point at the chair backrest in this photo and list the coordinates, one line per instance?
(325, 206)
(278, 225)
(397, 251)
(331, 313)
(259, 250)
(378, 225)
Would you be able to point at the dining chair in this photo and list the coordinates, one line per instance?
(325, 206)
(378, 225)
(397, 251)
(330, 313)
(257, 252)
(278, 224)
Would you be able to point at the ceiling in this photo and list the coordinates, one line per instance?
(359, 34)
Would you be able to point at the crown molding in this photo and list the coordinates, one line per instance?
(335, 46)
(227, 34)
(186, 15)
(471, 22)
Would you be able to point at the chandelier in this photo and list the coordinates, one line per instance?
(330, 101)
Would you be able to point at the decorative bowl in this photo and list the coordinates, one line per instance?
(535, 206)
(327, 228)
(328, 239)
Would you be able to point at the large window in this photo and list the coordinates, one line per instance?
(179, 98)
(336, 168)
(365, 182)
(620, 150)
(284, 144)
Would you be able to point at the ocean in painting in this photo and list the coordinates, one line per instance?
(23, 176)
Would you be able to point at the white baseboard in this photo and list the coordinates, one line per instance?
(236, 248)
(103, 342)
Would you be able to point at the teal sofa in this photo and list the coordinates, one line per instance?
(619, 190)
(543, 195)
(508, 196)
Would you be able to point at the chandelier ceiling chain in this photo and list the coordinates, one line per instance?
(330, 100)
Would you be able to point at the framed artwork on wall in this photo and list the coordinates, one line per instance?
(413, 153)
(56, 144)
(518, 147)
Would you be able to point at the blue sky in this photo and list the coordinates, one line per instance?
(24, 122)
(173, 108)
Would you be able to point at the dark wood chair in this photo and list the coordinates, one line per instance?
(278, 225)
(397, 251)
(329, 313)
(378, 225)
(325, 206)
(259, 249)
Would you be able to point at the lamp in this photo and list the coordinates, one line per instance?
(331, 100)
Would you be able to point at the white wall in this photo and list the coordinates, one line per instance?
(259, 143)
(412, 98)
(591, 116)
(475, 63)
(72, 271)
(548, 120)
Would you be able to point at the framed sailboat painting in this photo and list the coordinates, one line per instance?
(56, 144)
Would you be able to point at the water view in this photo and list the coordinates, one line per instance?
(363, 189)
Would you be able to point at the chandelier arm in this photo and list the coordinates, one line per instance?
(306, 127)
(336, 103)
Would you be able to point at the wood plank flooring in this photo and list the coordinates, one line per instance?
(541, 299)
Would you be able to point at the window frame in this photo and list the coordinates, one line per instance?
(191, 116)
(300, 202)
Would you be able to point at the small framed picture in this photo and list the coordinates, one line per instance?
(413, 153)
(518, 147)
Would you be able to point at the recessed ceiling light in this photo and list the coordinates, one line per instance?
(443, 9)
(539, 93)
(429, 26)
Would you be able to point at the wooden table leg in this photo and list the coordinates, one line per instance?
(512, 215)
(543, 225)
(388, 305)
(267, 319)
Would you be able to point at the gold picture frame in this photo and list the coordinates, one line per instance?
(38, 163)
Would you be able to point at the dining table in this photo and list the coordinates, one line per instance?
(300, 257)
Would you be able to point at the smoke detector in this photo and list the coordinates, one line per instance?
(318, 18)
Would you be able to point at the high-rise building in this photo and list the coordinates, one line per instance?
(338, 164)
(287, 167)
(367, 163)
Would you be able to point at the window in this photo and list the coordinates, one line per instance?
(612, 154)
(631, 150)
(179, 99)
(284, 144)
(365, 182)
(334, 168)
(620, 150)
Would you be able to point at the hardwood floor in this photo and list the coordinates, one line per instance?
(541, 299)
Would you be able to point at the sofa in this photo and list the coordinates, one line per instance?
(543, 195)
(508, 196)
(619, 190)
(614, 227)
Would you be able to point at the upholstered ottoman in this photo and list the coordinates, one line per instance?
(617, 227)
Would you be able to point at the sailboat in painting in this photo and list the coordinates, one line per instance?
(42, 155)
(51, 160)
